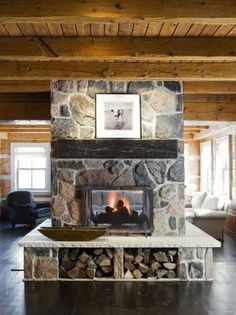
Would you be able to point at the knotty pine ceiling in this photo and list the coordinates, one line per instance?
(139, 29)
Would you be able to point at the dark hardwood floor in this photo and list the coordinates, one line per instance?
(113, 298)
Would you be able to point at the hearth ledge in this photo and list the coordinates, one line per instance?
(193, 238)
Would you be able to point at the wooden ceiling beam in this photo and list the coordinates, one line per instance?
(219, 87)
(66, 70)
(14, 86)
(210, 111)
(73, 11)
(121, 49)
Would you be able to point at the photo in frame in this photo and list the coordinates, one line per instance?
(118, 116)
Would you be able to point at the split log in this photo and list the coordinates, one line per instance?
(84, 257)
(98, 251)
(128, 275)
(80, 264)
(151, 273)
(140, 252)
(107, 269)
(172, 252)
(155, 265)
(91, 263)
(67, 263)
(138, 259)
(143, 268)
(147, 255)
(169, 266)
(160, 256)
(137, 274)
(110, 253)
(105, 262)
(129, 266)
(99, 273)
(91, 273)
(74, 253)
(171, 274)
(161, 273)
(129, 256)
(76, 272)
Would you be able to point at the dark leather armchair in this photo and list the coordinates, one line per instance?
(22, 209)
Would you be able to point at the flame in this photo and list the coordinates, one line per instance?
(113, 199)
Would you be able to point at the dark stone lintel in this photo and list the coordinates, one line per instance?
(116, 149)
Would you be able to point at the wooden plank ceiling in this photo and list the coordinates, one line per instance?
(125, 29)
(189, 40)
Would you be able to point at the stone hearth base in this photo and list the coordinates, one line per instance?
(152, 258)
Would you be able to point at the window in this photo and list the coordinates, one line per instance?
(30, 165)
(186, 166)
(206, 166)
(221, 186)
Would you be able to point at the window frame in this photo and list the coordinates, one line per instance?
(15, 169)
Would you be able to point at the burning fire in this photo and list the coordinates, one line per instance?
(113, 199)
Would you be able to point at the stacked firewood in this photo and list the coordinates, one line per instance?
(150, 263)
(90, 263)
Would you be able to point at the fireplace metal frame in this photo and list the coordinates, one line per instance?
(86, 203)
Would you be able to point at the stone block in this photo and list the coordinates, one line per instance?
(95, 87)
(82, 110)
(182, 271)
(140, 86)
(67, 191)
(209, 264)
(118, 87)
(169, 126)
(28, 263)
(195, 270)
(58, 98)
(187, 254)
(59, 205)
(176, 171)
(45, 268)
(66, 86)
(82, 86)
(174, 86)
(71, 164)
(168, 192)
(158, 170)
(87, 132)
(66, 175)
(172, 223)
(65, 128)
(141, 176)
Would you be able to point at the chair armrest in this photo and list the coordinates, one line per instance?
(188, 205)
(43, 204)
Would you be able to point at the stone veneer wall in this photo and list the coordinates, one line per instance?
(73, 117)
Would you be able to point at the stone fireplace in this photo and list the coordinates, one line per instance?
(79, 160)
(129, 186)
(122, 210)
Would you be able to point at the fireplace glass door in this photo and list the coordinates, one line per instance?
(126, 210)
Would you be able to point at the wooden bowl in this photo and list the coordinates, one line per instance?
(72, 234)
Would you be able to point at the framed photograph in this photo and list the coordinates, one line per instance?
(118, 116)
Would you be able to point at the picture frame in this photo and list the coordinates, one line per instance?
(118, 116)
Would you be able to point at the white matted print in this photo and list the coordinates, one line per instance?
(118, 116)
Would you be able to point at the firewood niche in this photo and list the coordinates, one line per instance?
(132, 263)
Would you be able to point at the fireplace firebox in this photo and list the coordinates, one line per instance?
(120, 209)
